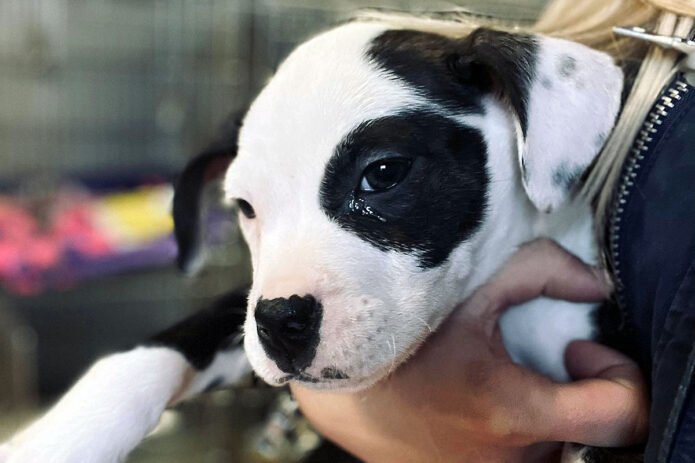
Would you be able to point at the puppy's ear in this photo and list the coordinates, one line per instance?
(208, 166)
(565, 97)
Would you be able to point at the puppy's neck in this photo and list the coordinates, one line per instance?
(515, 222)
(510, 218)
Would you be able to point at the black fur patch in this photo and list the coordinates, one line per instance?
(212, 162)
(613, 455)
(203, 334)
(430, 63)
(567, 66)
(455, 72)
(333, 373)
(511, 61)
(565, 177)
(438, 204)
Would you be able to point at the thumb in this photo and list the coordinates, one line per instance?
(608, 405)
(586, 359)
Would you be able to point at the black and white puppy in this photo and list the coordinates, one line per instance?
(382, 175)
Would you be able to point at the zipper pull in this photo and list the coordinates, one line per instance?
(685, 46)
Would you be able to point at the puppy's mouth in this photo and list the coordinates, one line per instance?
(328, 375)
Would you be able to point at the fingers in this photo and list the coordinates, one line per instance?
(586, 359)
(542, 268)
(609, 404)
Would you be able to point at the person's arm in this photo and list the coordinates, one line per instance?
(460, 398)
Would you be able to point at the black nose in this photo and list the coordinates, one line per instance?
(289, 330)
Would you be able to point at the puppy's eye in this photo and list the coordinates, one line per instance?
(384, 174)
(246, 208)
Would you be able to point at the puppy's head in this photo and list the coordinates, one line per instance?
(373, 173)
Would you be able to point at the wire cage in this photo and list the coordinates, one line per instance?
(104, 84)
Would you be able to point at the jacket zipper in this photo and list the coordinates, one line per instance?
(668, 100)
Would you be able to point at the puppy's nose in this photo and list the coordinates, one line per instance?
(289, 330)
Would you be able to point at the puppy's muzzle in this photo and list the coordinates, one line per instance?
(289, 330)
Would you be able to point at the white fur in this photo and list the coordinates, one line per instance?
(379, 306)
(107, 413)
(115, 405)
(229, 366)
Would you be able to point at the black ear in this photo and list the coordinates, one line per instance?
(502, 62)
(208, 166)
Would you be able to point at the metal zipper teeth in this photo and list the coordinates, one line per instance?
(667, 101)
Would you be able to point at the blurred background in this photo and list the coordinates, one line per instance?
(102, 102)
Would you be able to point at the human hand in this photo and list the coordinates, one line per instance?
(460, 398)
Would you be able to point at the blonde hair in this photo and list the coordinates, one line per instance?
(657, 68)
(591, 22)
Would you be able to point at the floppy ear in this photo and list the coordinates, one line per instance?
(565, 97)
(208, 166)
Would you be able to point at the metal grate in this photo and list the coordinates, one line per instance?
(120, 85)
(89, 86)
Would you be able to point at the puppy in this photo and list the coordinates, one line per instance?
(381, 176)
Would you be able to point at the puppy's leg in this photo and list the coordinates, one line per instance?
(210, 340)
(110, 409)
(121, 397)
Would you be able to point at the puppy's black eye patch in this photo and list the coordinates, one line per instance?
(246, 208)
(413, 182)
(384, 174)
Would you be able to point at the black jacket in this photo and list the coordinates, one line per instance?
(652, 240)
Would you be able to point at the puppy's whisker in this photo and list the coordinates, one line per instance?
(424, 322)
(392, 366)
